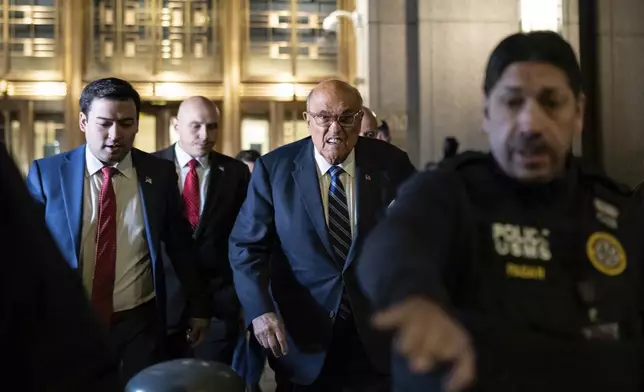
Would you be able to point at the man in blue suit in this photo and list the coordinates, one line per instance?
(109, 207)
(309, 207)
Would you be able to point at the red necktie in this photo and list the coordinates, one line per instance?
(105, 262)
(191, 198)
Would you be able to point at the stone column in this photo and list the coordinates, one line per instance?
(455, 40)
(387, 76)
(229, 137)
(621, 87)
(570, 31)
(73, 32)
(426, 67)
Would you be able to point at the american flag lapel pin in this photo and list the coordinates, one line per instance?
(367, 177)
(148, 180)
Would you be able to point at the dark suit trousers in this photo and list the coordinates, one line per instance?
(218, 345)
(136, 337)
(346, 367)
(220, 342)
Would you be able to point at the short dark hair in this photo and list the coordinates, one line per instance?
(248, 156)
(110, 88)
(541, 46)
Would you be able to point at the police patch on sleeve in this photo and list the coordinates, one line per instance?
(606, 253)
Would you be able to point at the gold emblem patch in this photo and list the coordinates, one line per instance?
(606, 253)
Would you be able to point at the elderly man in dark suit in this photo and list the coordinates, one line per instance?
(109, 207)
(309, 207)
(213, 187)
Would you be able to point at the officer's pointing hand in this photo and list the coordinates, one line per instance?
(269, 332)
(427, 335)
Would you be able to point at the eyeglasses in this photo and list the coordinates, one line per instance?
(325, 120)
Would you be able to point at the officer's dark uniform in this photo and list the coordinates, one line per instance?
(50, 339)
(546, 278)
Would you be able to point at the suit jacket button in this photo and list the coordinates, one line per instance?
(332, 314)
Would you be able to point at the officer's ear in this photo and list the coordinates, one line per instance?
(580, 111)
(486, 115)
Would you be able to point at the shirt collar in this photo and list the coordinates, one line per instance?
(94, 165)
(349, 164)
(183, 157)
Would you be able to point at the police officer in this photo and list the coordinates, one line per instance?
(517, 270)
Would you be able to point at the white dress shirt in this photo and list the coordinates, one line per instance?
(348, 181)
(133, 284)
(203, 171)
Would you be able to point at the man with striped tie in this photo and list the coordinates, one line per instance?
(294, 247)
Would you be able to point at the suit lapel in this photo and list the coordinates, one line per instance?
(148, 193)
(306, 177)
(216, 178)
(72, 180)
(168, 154)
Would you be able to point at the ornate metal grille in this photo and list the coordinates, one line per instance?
(268, 51)
(189, 43)
(31, 37)
(317, 53)
(273, 32)
(144, 39)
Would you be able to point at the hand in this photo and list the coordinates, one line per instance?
(197, 331)
(269, 332)
(427, 335)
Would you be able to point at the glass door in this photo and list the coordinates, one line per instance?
(256, 121)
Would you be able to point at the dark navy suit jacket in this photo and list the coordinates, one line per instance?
(57, 183)
(283, 217)
(227, 186)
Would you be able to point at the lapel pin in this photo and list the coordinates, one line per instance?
(367, 177)
(148, 180)
(221, 168)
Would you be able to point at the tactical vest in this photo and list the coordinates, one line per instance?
(551, 293)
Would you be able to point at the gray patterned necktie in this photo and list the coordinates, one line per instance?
(339, 221)
(339, 229)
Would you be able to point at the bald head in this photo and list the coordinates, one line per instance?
(369, 125)
(334, 113)
(197, 124)
(335, 90)
(196, 103)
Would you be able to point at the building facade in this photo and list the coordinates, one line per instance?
(256, 58)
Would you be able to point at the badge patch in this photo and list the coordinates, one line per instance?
(606, 208)
(606, 253)
(606, 213)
